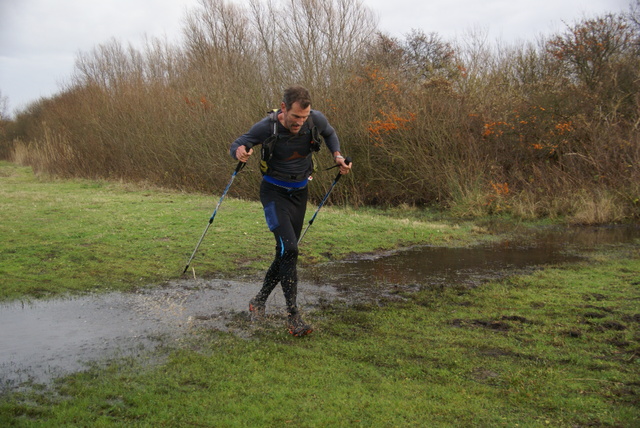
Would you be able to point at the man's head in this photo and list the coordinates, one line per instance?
(296, 94)
(296, 107)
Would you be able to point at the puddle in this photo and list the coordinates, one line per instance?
(42, 340)
(436, 266)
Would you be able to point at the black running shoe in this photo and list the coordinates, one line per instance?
(297, 327)
(257, 310)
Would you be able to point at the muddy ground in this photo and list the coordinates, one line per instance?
(41, 340)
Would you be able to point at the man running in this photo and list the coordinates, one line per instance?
(289, 137)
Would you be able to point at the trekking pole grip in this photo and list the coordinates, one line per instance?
(347, 161)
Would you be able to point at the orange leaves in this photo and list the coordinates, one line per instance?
(376, 77)
(564, 128)
(500, 188)
(378, 82)
(498, 201)
(331, 106)
(463, 71)
(388, 102)
(390, 122)
(535, 127)
(494, 128)
(203, 101)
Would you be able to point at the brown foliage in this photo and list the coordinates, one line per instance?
(535, 130)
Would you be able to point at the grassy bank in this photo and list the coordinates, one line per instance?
(559, 347)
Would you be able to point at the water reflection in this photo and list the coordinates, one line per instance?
(426, 265)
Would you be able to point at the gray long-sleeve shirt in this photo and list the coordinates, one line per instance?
(291, 153)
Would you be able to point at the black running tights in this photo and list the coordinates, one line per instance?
(284, 211)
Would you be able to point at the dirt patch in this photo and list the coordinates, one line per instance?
(491, 325)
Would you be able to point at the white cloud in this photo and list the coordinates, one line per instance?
(506, 19)
(39, 39)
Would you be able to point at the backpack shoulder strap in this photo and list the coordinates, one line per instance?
(266, 150)
(273, 116)
(316, 138)
(310, 122)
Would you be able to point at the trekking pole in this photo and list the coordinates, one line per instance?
(346, 161)
(233, 176)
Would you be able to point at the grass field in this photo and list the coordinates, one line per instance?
(559, 347)
(72, 236)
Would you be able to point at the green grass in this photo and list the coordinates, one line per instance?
(77, 235)
(556, 348)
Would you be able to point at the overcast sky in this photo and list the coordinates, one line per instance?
(39, 39)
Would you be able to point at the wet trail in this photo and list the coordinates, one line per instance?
(44, 339)
(41, 340)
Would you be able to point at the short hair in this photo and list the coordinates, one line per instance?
(298, 94)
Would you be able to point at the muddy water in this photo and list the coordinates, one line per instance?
(435, 266)
(44, 339)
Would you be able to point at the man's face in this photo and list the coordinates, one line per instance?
(295, 116)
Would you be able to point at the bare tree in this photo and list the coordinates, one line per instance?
(270, 44)
(218, 34)
(324, 37)
(589, 47)
(4, 107)
(427, 55)
(634, 13)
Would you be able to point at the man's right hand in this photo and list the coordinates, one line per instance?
(242, 154)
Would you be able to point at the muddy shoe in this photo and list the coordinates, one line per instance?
(257, 310)
(297, 327)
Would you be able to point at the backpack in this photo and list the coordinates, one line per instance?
(266, 151)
